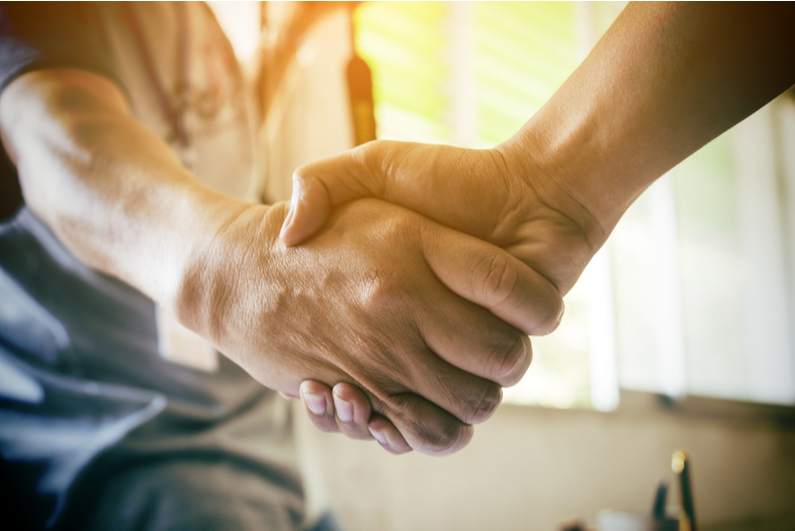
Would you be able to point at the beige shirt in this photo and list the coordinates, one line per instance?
(214, 106)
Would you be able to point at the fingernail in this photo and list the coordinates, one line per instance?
(344, 409)
(377, 435)
(562, 311)
(316, 403)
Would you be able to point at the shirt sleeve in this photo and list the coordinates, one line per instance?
(43, 35)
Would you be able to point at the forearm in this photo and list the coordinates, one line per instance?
(368, 302)
(113, 192)
(665, 80)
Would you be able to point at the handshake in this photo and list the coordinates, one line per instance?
(411, 278)
(396, 293)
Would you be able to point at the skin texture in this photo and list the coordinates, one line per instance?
(664, 80)
(426, 321)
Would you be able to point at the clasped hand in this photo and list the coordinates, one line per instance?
(484, 193)
(425, 321)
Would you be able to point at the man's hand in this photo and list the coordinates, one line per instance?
(422, 318)
(485, 193)
(665, 79)
(426, 320)
(479, 192)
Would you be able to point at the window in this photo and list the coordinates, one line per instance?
(694, 292)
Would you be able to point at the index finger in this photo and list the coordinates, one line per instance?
(490, 277)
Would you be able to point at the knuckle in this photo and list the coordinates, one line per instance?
(553, 315)
(448, 439)
(396, 230)
(403, 405)
(435, 435)
(508, 360)
(387, 285)
(404, 227)
(445, 437)
(482, 403)
(499, 277)
(382, 289)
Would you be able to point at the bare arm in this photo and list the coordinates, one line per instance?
(664, 80)
(111, 190)
(428, 321)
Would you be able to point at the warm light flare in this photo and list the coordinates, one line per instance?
(241, 23)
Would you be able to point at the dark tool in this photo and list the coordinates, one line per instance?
(681, 467)
(360, 90)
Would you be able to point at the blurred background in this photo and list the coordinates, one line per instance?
(679, 334)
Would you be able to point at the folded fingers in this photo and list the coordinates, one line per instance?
(346, 409)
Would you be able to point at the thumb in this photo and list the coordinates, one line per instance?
(309, 209)
(319, 186)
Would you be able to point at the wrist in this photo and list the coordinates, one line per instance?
(568, 162)
(214, 278)
(551, 178)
